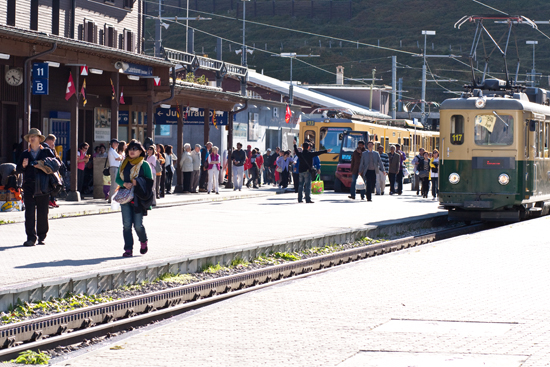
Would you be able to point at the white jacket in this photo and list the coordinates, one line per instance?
(196, 160)
(186, 162)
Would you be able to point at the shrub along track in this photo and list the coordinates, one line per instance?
(71, 327)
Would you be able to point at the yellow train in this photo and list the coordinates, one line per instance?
(326, 128)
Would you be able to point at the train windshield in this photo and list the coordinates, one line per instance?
(331, 138)
(349, 144)
(494, 129)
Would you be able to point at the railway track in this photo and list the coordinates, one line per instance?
(72, 327)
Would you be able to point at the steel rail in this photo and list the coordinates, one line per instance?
(72, 327)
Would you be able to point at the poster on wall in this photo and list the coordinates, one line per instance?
(102, 124)
(253, 126)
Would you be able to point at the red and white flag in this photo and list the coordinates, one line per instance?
(84, 70)
(288, 114)
(121, 101)
(71, 89)
(157, 81)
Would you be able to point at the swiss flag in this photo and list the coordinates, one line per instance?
(157, 81)
(121, 99)
(70, 88)
(288, 114)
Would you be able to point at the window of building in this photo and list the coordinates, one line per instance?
(127, 41)
(129, 4)
(34, 15)
(163, 131)
(10, 20)
(457, 129)
(110, 36)
(55, 17)
(310, 136)
(87, 31)
(494, 129)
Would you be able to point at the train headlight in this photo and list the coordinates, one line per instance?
(503, 179)
(454, 178)
(480, 102)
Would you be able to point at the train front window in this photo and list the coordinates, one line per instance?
(457, 129)
(331, 138)
(494, 129)
(349, 144)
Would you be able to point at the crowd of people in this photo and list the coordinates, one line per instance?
(137, 175)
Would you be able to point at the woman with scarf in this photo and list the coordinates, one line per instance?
(134, 172)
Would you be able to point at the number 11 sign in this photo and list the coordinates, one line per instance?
(40, 74)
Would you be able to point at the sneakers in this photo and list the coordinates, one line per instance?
(143, 250)
(41, 242)
(351, 197)
(127, 253)
(51, 204)
(309, 202)
(29, 243)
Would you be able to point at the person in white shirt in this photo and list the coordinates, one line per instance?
(114, 162)
(196, 155)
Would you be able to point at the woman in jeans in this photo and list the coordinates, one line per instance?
(161, 175)
(135, 172)
(170, 169)
(434, 174)
(186, 165)
(152, 160)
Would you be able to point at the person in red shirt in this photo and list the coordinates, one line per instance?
(260, 164)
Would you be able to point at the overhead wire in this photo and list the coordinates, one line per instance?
(286, 29)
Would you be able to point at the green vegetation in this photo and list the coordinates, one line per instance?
(239, 263)
(190, 78)
(68, 303)
(286, 256)
(212, 269)
(175, 278)
(391, 23)
(31, 357)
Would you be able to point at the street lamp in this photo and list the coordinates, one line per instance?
(292, 55)
(423, 97)
(533, 71)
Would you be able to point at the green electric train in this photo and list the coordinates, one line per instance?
(494, 161)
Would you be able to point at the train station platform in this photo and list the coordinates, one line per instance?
(83, 252)
(475, 300)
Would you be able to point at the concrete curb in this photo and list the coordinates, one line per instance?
(94, 282)
(108, 210)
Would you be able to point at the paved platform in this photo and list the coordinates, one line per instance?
(87, 244)
(476, 300)
(101, 206)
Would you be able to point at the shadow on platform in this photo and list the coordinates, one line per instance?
(68, 262)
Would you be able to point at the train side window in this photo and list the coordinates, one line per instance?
(457, 129)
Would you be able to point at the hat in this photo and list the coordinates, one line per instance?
(34, 131)
(249, 146)
(113, 141)
(269, 149)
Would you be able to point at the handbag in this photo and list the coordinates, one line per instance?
(317, 186)
(279, 169)
(124, 195)
(105, 169)
(423, 174)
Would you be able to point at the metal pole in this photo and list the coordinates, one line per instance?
(187, 28)
(291, 87)
(400, 86)
(244, 28)
(423, 97)
(393, 85)
(533, 71)
(371, 88)
(158, 33)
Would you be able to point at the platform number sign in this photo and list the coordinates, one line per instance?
(40, 78)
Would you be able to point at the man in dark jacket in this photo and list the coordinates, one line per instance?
(238, 157)
(305, 158)
(268, 164)
(27, 161)
(355, 162)
(395, 167)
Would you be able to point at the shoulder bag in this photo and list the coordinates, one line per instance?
(124, 196)
(105, 169)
